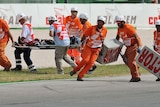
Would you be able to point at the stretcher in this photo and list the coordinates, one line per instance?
(43, 47)
(44, 44)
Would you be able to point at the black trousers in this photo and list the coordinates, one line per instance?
(26, 55)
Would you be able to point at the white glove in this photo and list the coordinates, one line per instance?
(139, 49)
(14, 44)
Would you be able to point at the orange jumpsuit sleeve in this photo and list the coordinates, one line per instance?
(155, 35)
(104, 33)
(86, 26)
(4, 26)
(88, 31)
(64, 20)
(130, 30)
(157, 38)
(79, 24)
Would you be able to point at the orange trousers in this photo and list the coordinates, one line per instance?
(89, 56)
(75, 53)
(130, 54)
(4, 61)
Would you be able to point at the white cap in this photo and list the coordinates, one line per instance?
(21, 16)
(52, 18)
(119, 18)
(74, 9)
(102, 18)
(83, 16)
(158, 22)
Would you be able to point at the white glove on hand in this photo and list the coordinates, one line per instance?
(14, 44)
(139, 49)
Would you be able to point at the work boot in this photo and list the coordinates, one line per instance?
(158, 79)
(135, 80)
(79, 79)
(72, 73)
(92, 69)
(17, 68)
(34, 71)
(7, 69)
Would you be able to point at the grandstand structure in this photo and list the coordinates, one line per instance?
(75, 1)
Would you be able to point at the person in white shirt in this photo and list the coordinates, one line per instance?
(60, 35)
(26, 38)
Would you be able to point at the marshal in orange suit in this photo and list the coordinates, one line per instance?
(5, 35)
(73, 26)
(96, 35)
(133, 45)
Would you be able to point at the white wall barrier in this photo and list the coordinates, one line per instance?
(140, 15)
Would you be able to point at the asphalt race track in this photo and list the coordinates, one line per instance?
(93, 92)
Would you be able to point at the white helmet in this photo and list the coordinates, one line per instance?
(52, 18)
(83, 16)
(21, 16)
(158, 22)
(119, 18)
(74, 9)
(102, 18)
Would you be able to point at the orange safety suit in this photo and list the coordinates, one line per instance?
(157, 41)
(73, 27)
(127, 35)
(84, 28)
(91, 49)
(4, 38)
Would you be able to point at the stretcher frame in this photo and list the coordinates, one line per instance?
(45, 47)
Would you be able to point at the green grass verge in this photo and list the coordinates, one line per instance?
(51, 74)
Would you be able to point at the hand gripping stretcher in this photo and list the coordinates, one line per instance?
(45, 47)
(42, 45)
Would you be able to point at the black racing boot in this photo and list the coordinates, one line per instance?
(17, 68)
(158, 79)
